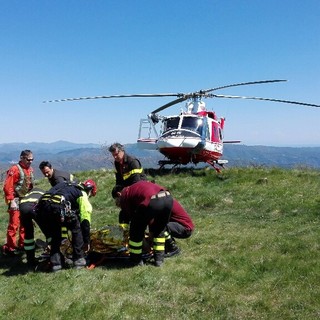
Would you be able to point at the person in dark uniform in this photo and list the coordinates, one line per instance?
(128, 168)
(54, 176)
(68, 204)
(28, 216)
(145, 204)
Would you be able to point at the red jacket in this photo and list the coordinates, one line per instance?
(138, 195)
(178, 214)
(15, 185)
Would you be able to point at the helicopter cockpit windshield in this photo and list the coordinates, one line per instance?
(194, 124)
(171, 123)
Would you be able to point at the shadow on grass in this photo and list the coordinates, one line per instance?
(13, 265)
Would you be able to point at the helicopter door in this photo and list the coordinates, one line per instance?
(216, 134)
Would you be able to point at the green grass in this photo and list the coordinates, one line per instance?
(254, 254)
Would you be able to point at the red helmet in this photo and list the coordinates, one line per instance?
(90, 185)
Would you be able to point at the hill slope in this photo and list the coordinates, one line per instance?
(254, 254)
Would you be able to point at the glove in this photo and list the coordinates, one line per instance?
(14, 204)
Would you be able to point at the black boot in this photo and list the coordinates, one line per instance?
(30, 256)
(159, 247)
(135, 260)
(171, 248)
(158, 258)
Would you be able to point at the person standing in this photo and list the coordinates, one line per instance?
(19, 181)
(68, 204)
(128, 168)
(145, 204)
(54, 176)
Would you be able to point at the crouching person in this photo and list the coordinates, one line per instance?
(28, 215)
(68, 205)
(145, 204)
(180, 226)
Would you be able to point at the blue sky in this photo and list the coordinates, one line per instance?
(62, 49)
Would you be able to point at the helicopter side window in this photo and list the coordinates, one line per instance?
(192, 123)
(171, 123)
(220, 134)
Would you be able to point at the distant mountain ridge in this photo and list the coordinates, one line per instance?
(74, 157)
(52, 147)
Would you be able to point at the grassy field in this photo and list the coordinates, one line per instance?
(254, 254)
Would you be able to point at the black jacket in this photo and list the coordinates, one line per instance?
(60, 176)
(129, 172)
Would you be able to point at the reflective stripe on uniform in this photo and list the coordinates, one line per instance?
(135, 247)
(158, 244)
(130, 173)
(54, 198)
(167, 235)
(29, 244)
(64, 232)
(23, 200)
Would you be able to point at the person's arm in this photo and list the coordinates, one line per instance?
(85, 208)
(8, 187)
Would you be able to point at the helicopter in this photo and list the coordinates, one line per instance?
(194, 135)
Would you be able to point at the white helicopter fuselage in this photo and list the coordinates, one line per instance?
(191, 138)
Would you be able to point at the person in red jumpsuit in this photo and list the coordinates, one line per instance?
(146, 204)
(19, 181)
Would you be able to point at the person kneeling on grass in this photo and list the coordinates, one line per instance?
(145, 204)
(180, 225)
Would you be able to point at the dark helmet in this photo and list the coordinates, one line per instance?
(90, 185)
(115, 190)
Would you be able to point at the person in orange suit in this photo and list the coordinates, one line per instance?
(18, 182)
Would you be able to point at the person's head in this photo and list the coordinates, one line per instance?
(90, 187)
(116, 193)
(117, 151)
(46, 169)
(26, 157)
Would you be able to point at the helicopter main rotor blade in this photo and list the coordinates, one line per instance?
(142, 95)
(184, 98)
(265, 99)
(242, 84)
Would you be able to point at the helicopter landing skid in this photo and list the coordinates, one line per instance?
(162, 163)
(220, 163)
